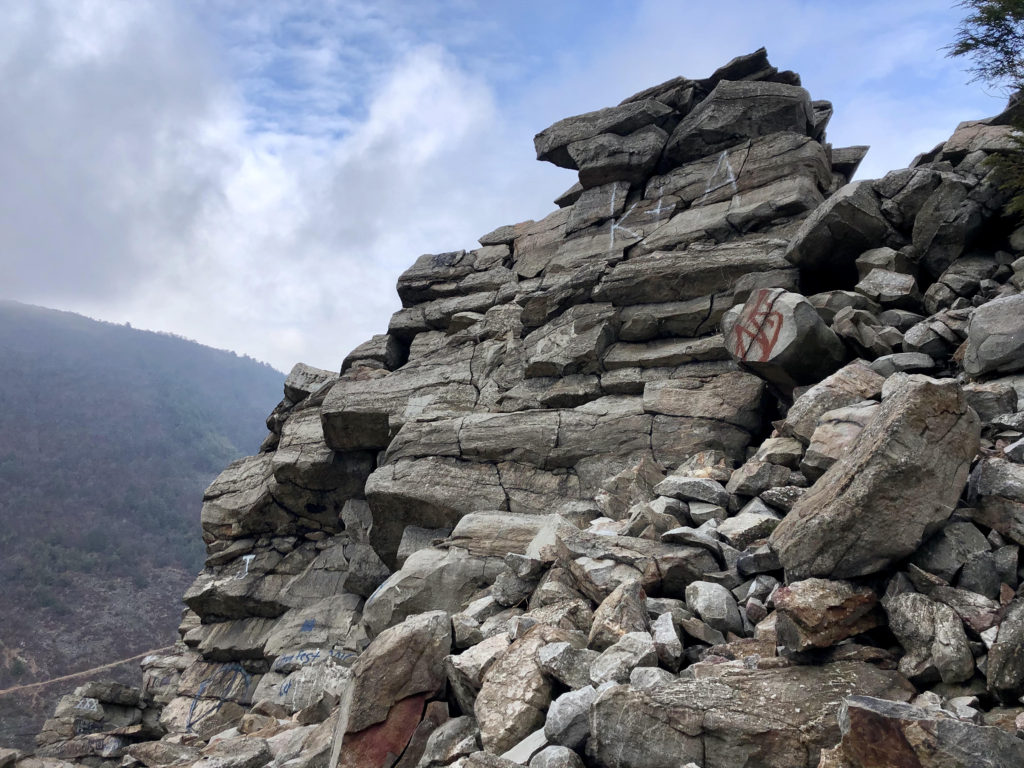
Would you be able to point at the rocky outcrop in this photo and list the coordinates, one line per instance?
(717, 465)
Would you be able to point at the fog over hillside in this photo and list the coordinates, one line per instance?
(108, 436)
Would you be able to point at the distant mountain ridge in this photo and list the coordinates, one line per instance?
(108, 436)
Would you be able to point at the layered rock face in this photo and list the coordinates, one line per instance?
(717, 465)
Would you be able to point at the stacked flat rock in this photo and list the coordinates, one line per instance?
(719, 465)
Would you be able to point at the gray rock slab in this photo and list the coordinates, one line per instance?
(776, 718)
(553, 142)
(995, 338)
(617, 662)
(735, 111)
(568, 718)
(556, 757)
(899, 482)
(607, 157)
(696, 272)
(833, 236)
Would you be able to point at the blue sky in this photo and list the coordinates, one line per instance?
(255, 175)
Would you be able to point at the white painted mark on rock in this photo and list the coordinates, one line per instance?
(246, 559)
(617, 225)
(656, 212)
(723, 168)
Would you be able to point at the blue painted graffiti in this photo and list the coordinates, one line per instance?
(308, 657)
(223, 680)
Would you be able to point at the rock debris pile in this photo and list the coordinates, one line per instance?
(717, 465)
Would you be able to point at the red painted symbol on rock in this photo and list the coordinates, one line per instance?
(758, 328)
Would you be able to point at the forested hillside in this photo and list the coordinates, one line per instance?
(108, 436)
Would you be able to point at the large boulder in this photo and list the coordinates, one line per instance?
(781, 337)
(1006, 659)
(877, 732)
(734, 718)
(946, 224)
(568, 722)
(715, 605)
(304, 380)
(622, 612)
(466, 670)
(516, 693)
(418, 283)
(903, 193)
(900, 481)
(997, 488)
(431, 580)
(836, 432)
(737, 110)
(608, 157)
(847, 224)
(933, 637)
(851, 384)
(616, 663)
(387, 673)
(995, 337)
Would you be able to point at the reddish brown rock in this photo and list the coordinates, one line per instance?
(817, 613)
(890, 734)
(434, 717)
(380, 745)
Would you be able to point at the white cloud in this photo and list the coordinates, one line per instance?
(104, 156)
(296, 256)
(159, 204)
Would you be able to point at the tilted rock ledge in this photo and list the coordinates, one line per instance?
(717, 465)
